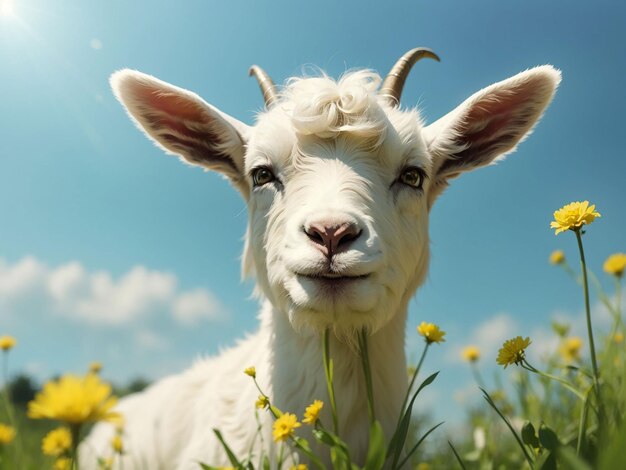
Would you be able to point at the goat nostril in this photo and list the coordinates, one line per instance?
(349, 237)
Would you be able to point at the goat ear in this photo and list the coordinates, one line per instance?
(490, 123)
(181, 123)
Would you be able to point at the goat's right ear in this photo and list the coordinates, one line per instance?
(182, 123)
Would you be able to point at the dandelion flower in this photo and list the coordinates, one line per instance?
(470, 353)
(7, 342)
(95, 367)
(300, 466)
(513, 351)
(251, 371)
(557, 257)
(57, 442)
(262, 402)
(63, 463)
(312, 412)
(74, 400)
(117, 445)
(618, 337)
(573, 216)
(7, 434)
(570, 348)
(423, 466)
(431, 333)
(284, 427)
(615, 264)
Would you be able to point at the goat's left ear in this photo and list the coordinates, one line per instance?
(489, 124)
(183, 124)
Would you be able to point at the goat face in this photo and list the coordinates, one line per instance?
(338, 181)
(338, 206)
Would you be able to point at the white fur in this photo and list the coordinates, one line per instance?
(337, 151)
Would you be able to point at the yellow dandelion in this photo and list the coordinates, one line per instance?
(117, 445)
(95, 367)
(513, 351)
(284, 427)
(74, 400)
(57, 442)
(7, 343)
(63, 463)
(557, 257)
(312, 412)
(570, 348)
(251, 371)
(262, 402)
(7, 434)
(615, 264)
(423, 466)
(573, 216)
(618, 337)
(431, 332)
(470, 353)
(300, 466)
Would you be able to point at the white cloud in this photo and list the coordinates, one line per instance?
(100, 298)
(193, 306)
(148, 340)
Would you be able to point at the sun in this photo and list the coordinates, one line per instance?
(6, 8)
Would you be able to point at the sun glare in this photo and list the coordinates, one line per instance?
(6, 8)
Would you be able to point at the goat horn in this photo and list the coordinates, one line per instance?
(270, 95)
(394, 82)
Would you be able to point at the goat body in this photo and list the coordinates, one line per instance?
(339, 182)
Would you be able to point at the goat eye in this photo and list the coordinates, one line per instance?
(262, 175)
(412, 177)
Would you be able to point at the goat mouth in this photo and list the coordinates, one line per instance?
(333, 277)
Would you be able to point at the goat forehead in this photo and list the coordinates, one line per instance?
(275, 142)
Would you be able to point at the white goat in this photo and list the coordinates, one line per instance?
(339, 182)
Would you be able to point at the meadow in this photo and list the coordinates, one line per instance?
(565, 411)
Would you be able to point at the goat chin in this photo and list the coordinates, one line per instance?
(170, 424)
(339, 182)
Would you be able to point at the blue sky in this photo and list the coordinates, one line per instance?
(112, 251)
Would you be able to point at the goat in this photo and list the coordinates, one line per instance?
(339, 182)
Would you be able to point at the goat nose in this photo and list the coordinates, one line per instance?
(331, 239)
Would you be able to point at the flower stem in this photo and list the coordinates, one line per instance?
(415, 374)
(328, 369)
(368, 374)
(563, 382)
(592, 348)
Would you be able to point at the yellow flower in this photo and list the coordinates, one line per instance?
(570, 348)
(7, 343)
(312, 412)
(471, 353)
(251, 371)
(63, 464)
(95, 367)
(423, 466)
(75, 400)
(431, 332)
(117, 444)
(618, 337)
(7, 434)
(573, 216)
(512, 351)
(557, 257)
(284, 427)
(262, 402)
(615, 264)
(300, 466)
(57, 442)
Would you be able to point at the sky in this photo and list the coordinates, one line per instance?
(112, 251)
